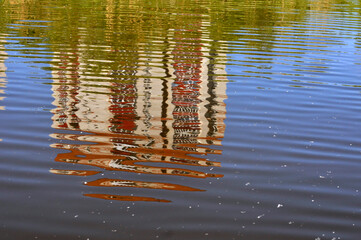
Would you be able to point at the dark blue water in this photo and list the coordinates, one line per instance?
(180, 119)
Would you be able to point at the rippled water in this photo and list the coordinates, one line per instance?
(170, 119)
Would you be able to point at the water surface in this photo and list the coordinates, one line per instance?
(180, 119)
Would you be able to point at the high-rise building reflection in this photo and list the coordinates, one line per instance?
(140, 115)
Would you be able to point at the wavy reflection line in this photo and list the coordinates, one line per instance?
(105, 182)
(133, 143)
(125, 198)
(73, 172)
(138, 155)
(131, 161)
(130, 166)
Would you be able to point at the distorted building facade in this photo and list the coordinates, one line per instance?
(144, 111)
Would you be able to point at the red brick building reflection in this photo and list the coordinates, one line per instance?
(137, 114)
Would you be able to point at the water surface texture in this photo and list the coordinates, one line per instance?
(180, 119)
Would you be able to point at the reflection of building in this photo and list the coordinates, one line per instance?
(170, 111)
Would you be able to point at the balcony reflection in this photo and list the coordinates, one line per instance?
(133, 115)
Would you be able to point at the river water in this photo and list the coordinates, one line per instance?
(180, 119)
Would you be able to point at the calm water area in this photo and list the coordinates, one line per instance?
(180, 119)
